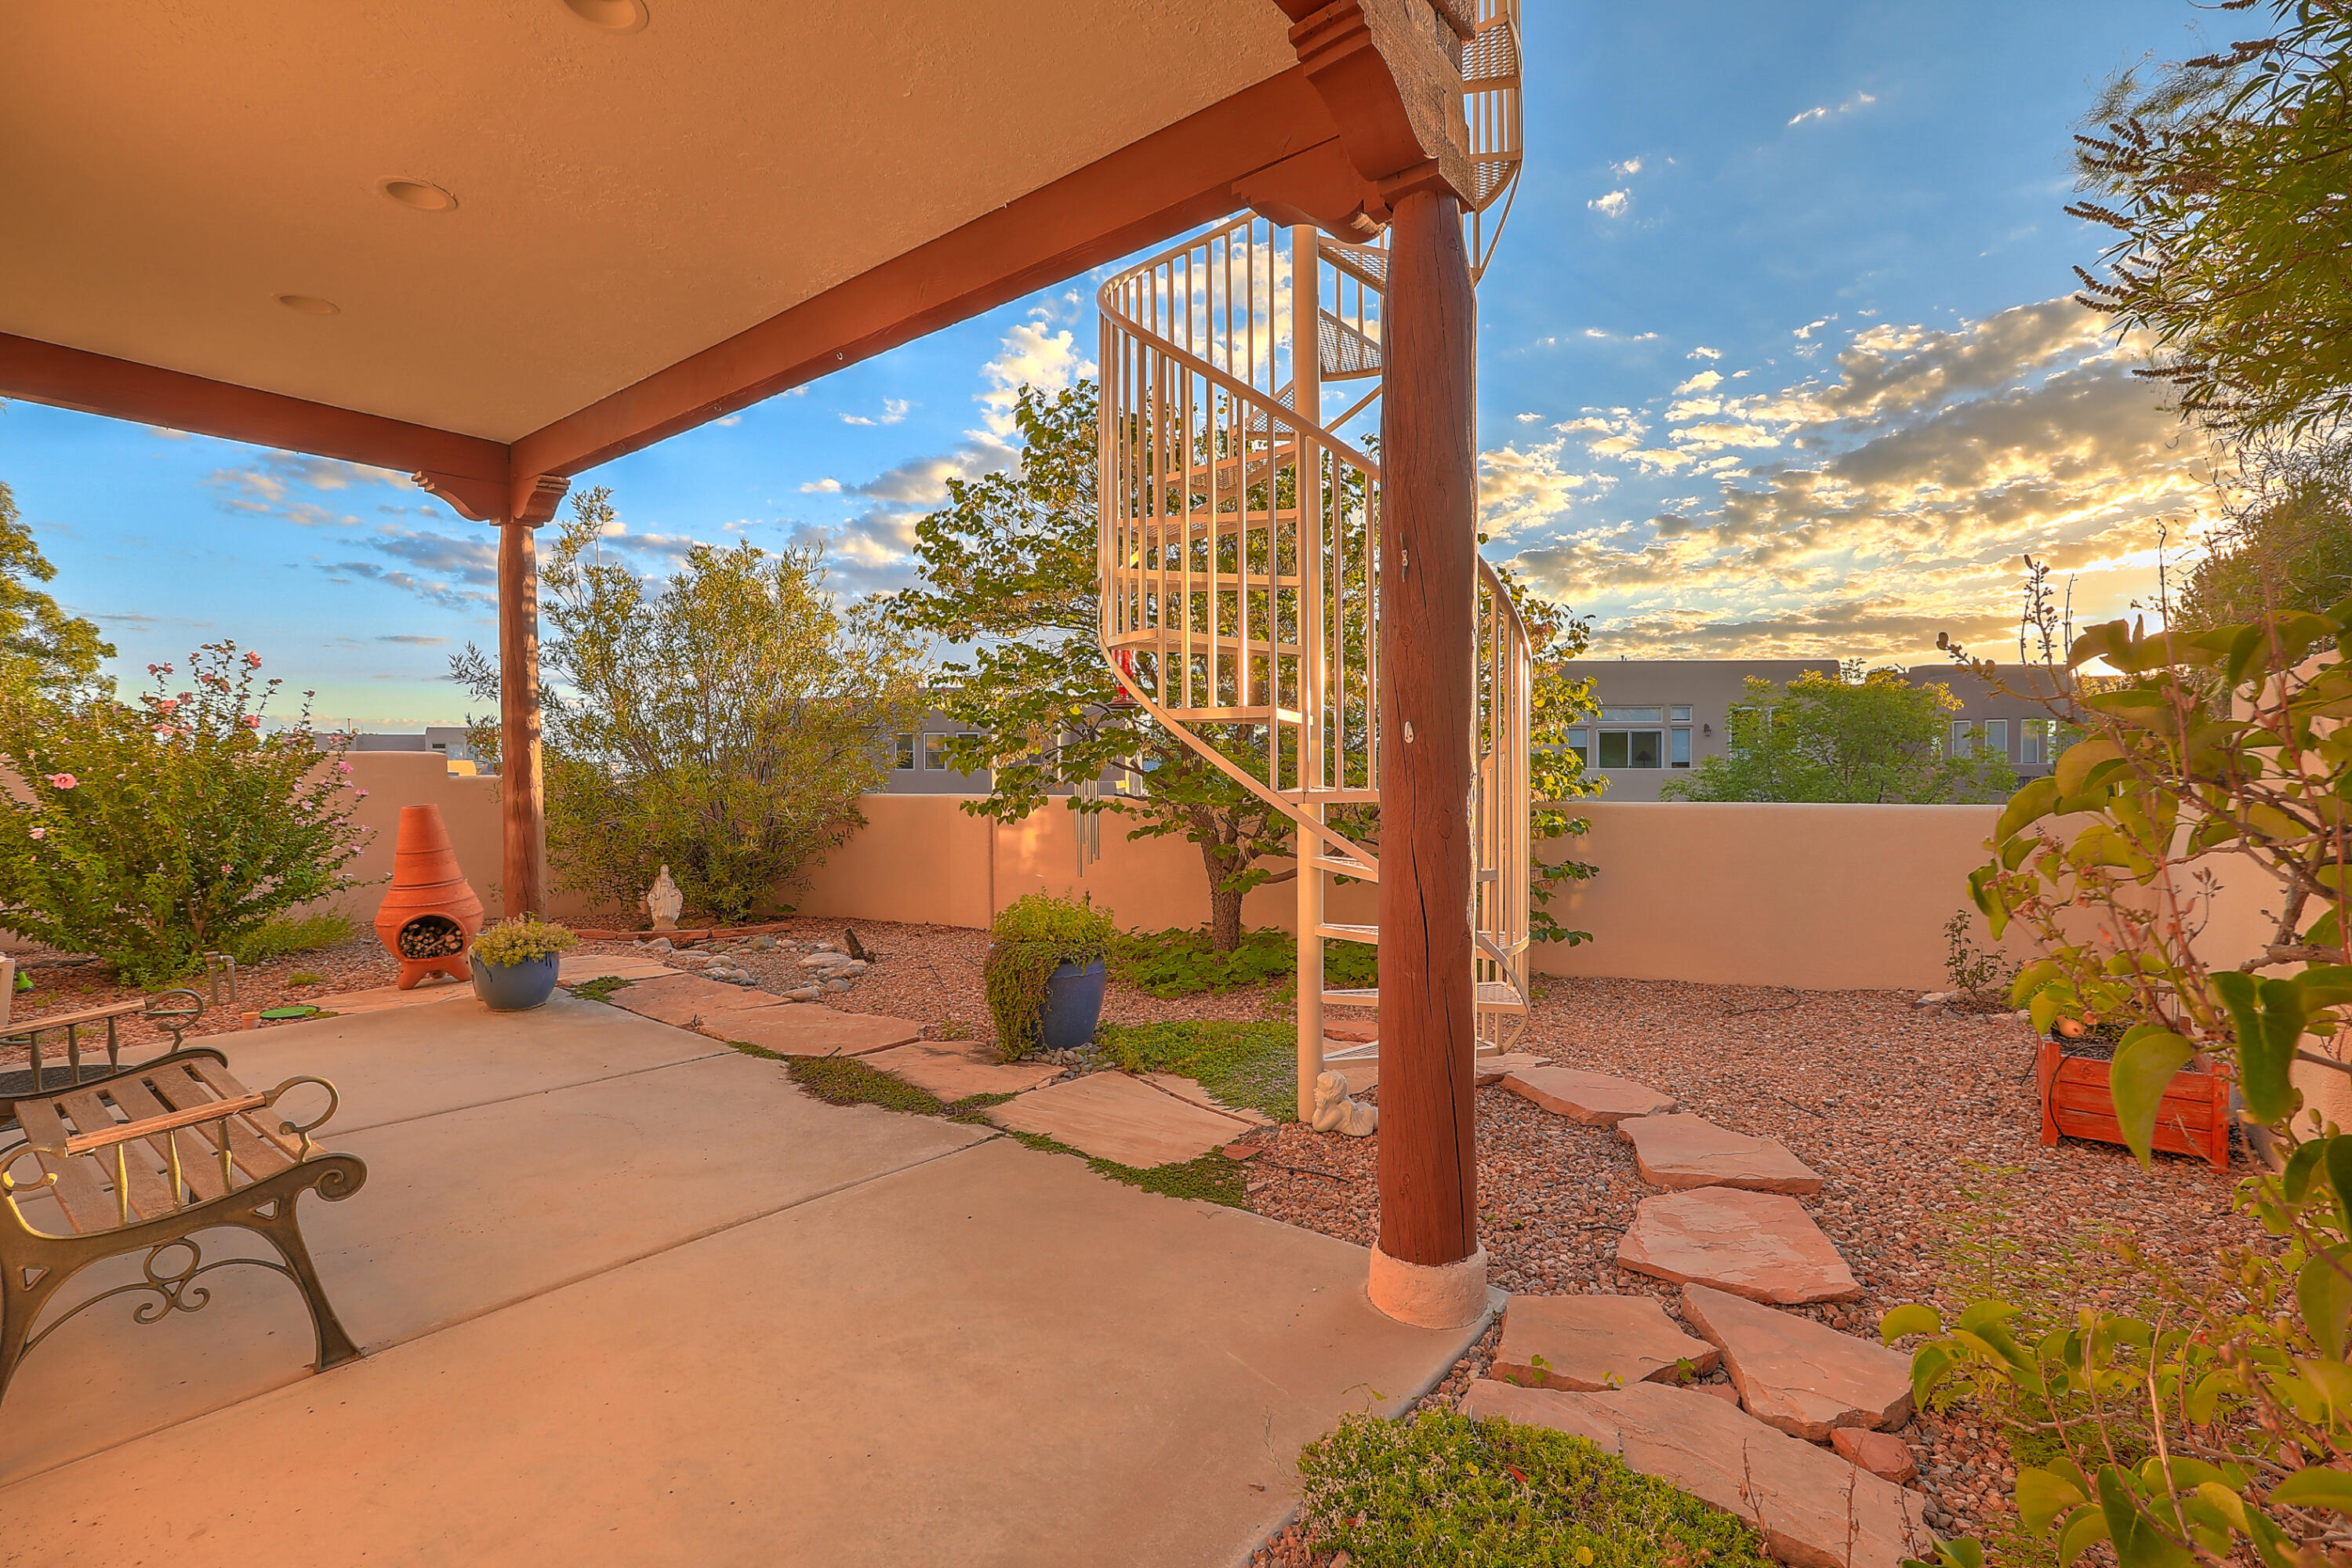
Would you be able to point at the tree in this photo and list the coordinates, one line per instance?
(44, 652)
(1856, 738)
(2229, 179)
(1009, 575)
(2287, 542)
(723, 724)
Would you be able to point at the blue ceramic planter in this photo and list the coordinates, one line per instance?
(515, 988)
(1073, 999)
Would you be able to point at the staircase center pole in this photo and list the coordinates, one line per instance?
(1307, 398)
(1428, 1268)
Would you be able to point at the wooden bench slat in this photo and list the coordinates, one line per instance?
(17, 1027)
(199, 1153)
(137, 1169)
(258, 1157)
(88, 1205)
(217, 1078)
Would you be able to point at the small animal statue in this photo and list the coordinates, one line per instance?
(1335, 1112)
(663, 901)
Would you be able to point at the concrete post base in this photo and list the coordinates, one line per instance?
(1448, 1296)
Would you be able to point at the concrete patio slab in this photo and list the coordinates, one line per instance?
(1114, 1117)
(957, 1069)
(378, 998)
(462, 1213)
(993, 1358)
(1192, 1092)
(685, 1000)
(394, 1065)
(810, 1029)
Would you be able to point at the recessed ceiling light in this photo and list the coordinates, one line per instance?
(310, 304)
(422, 194)
(613, 16)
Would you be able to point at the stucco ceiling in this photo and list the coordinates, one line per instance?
(168, 168)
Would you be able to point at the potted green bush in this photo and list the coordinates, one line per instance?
(517, 961)
(1046, 974)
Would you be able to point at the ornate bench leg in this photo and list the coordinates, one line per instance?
(282, 1231)
(21, 1304)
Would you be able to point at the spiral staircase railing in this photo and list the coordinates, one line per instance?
(1239, 548)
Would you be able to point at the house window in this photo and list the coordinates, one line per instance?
(1960, 737)
(1679, 715)
(906, 745)
(1631, 715)
(2029, 742)
(1632, 748)
(1996, 737)
(935, 752)
(1681, 753)
(1578, 743)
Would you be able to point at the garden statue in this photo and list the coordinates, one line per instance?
(663, 901)
(1335, 1112)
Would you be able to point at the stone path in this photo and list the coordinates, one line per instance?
(685, 1000)
(1692, 1152)
(1114, 1117)
(1594, 1099)
(1763, 1246)
(1814, 1509)
(1802, 1376)
(957, 1069)
(1587, 1343)
(798, 1029)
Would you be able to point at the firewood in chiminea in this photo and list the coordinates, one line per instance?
(432, 936)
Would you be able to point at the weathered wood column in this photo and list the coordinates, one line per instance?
(1429, 1268)
(522, 872)
(516, 507)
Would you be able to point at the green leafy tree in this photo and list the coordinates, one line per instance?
(1008, 576)
(149, 834)
(2288, 543)
(44, 652)
(2228, 181)
(723, 723)
(1854, 738)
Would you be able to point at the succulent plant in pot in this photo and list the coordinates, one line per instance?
(1046, 972)
(515, 963)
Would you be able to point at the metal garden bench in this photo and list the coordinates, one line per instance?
(57, 1034)
(140, 1161)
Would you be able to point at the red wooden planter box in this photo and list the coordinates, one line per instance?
(2193, 1120)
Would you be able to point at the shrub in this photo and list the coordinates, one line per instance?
(1441, 1490)
(521, 940)
(1180, 963)
(1034, 935)
(281, 937)
(152, 833)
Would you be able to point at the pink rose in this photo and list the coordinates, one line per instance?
(168, 704)
(40, 833)
(361, 796)
(252, 720)
(225, 870)
(63, 781)
(253, 661)
(341, 766)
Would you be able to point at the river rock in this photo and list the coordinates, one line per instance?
(1804, 1377)
(1691, 1152)
(1814, 1509)
(1761, 1246)
(1882, 1454)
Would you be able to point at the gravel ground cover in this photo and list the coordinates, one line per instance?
(1923, 1122)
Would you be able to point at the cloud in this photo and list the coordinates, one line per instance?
(433, 593)
(411, 640)
(1704, 352)
(261, 488)
(1860, 510)
(1627, 170)
(1613, 205)
(1520, 487)
(825, 486)
(894, 409)
(1822, 111)
(468, 558)
(1031, 355)
(1699, 383)
(730, 422)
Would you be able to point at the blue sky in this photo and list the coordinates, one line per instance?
(1775, 360)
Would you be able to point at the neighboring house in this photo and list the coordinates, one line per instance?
(1659, 716)
(2015, 727)
(918, 761)
(449, 740)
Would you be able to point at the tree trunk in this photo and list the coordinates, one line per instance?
(1224, 903)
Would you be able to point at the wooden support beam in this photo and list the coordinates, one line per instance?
(1428, 1266)
(523, 802)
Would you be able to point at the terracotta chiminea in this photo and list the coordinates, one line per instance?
(431, 913)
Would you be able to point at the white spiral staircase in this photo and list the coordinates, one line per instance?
(1239, 546)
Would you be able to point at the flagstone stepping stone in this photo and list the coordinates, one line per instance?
(1882, 1454)
(1761, 1246)
(576, 968)
(1497, 1068)
(1194, 1093)
(1804, 1377)
(1688, 1151)
(685, 1000)
(1814, 1509)
(956, 1069)
(792, 1029)
(1114, 1117)
(1595, 1098)
(1585, 1342)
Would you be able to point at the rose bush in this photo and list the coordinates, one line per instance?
(150, 833)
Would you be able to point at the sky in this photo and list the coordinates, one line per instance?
(1777, 358)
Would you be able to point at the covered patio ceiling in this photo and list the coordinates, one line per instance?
(504, 241)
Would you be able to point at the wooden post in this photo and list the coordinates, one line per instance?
(1428, 1268)
(1307, 397)
(522, 881)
